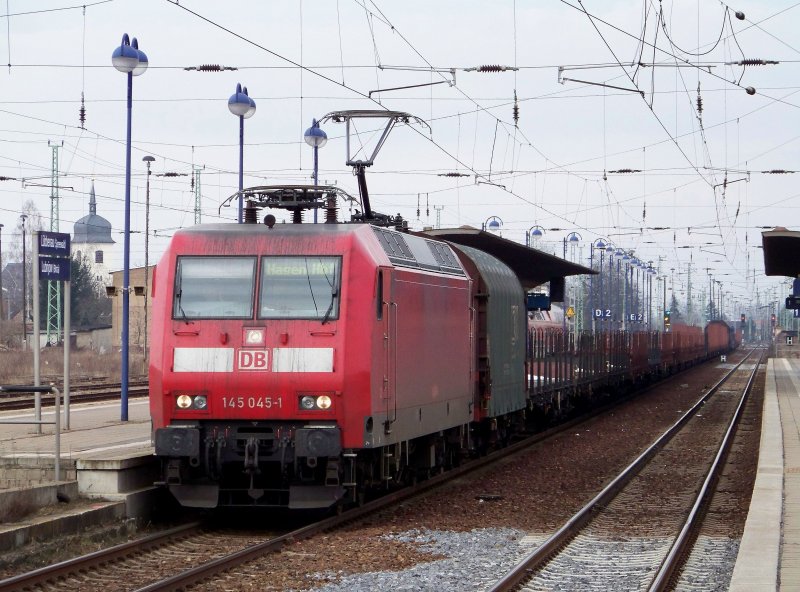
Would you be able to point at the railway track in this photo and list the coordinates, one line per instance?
(79, 393)
(638, 531)
(174, 561)
(182, 557)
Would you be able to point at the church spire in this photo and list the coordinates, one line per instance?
(92, 201)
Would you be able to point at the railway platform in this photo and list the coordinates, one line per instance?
(107, 471)
(769, 553)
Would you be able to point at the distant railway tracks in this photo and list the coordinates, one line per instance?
(79, 393)
(637, 532)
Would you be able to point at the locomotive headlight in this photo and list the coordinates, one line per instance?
(253, 336)
(200, 402)
(307, 402)
(184, 401)
(324, 402)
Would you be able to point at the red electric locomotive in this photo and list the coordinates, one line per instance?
(288, 362)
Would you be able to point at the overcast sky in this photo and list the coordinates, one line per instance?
(612, 88)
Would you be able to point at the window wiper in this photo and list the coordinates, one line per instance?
(180, 306)
(334, 294)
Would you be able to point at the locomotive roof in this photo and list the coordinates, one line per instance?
(532, 267)
(781, 250)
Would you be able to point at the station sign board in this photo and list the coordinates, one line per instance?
(54, 243)
(54, 269)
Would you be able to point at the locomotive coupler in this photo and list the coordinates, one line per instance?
(251, 456)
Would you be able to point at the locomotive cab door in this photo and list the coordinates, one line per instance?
(387, 312)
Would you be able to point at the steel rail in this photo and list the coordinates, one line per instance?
(53, 572)
(542, 554)
(193, 575)
(673, 559)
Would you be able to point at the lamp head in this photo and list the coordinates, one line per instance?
(315, 136)
(240, 104)
(141, 66)
(125, 58)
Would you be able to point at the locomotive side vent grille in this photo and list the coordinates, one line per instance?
(395, 246)
(416, 252)
(445, 257)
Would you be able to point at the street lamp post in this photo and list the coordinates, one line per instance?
(147, 159)
(601, 245)
(243, 107)
(316, 138)
(128, 59)
(23, 217)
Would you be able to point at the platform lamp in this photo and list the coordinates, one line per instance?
(610, 250)
(22, 219)
(600, 245)
(493, 224)
(243, 107)
(315, 137)
(533, 235)
(129, 60)
(147, 160)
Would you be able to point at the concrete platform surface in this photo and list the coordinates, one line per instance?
(769, 553)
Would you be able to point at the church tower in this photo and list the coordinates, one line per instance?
(91, 239)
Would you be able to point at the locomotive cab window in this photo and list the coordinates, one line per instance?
(300, 288)
(214, 288)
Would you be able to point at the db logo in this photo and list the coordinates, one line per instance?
(253, 360)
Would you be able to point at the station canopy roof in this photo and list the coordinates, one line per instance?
(781, 252)
(533, 267)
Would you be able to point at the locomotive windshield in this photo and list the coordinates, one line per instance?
(300, 288)
(214, 288)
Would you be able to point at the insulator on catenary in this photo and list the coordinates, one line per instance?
(750, 90)
(170, 175)
(740, 15)
(491, 68)
(619, 171)
(515, 110)
(453, 175)
(778, 172)
(210, 68)
(753, 62)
